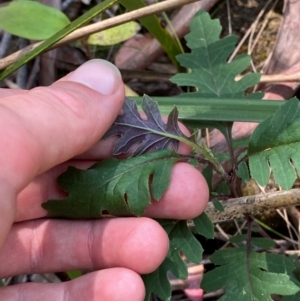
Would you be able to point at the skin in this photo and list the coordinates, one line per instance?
(42, 132)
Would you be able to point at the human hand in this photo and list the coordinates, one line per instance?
(44, 131)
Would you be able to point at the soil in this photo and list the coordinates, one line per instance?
(243, 14)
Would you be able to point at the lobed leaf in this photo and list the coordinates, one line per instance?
(210, 72)
(250, 276)
(275, 146)
(119, 187)
(181, 240)
(150, 133)
(204, 226)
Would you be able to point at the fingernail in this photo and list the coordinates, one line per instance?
(97, 74)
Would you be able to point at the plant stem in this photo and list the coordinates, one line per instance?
(253, 205)
(89, 29)
(39, 48)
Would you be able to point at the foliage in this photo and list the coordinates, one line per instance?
(275, 145)
(181, 239)
(20, 18)
(250, 276)
(151, 133)
(210, 72)
(82, 20)
(115, 34)
(119, 187)
(154, 26)
(125, 187)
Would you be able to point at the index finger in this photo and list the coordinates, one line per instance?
(185, 198)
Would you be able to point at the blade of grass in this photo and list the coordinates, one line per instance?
(192, 109)
(96, 27)
(82, 20)
(265, 226)
(153, 25)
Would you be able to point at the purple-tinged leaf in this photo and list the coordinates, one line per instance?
(147, 134)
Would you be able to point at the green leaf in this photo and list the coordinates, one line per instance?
(31, 20)
(181, 240)
(243, 142)
(223, 188)
(207, 173)
(82, 20)
(238, 239)
(275, 146)
(74, 274)
(262, 242)
(243, 172)
(259, 242)
(120, 187)
(296, 278)
(204, 226)
(295, 297)
(193, 109)
(218, 205)
(115, 34)
(153, 25)
(210, 72)
(249, 277)
(222, 156)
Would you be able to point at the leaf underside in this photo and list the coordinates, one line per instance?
(275, 146)
(144, 134)
(116, 187)
(249, 277)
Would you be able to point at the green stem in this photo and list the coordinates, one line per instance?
(201, 149)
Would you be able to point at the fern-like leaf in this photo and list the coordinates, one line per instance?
(275, 146)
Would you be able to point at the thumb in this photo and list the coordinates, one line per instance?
(49, 125)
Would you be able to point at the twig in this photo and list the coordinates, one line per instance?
(255, 23)
(93, 28)
(229, 17)
(22, 73)
(273, 78)
(254, 204)
(249, 31)
(289, 226)
(263, 26)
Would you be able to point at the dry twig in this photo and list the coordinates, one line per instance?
(93, 28)
(253, 205)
